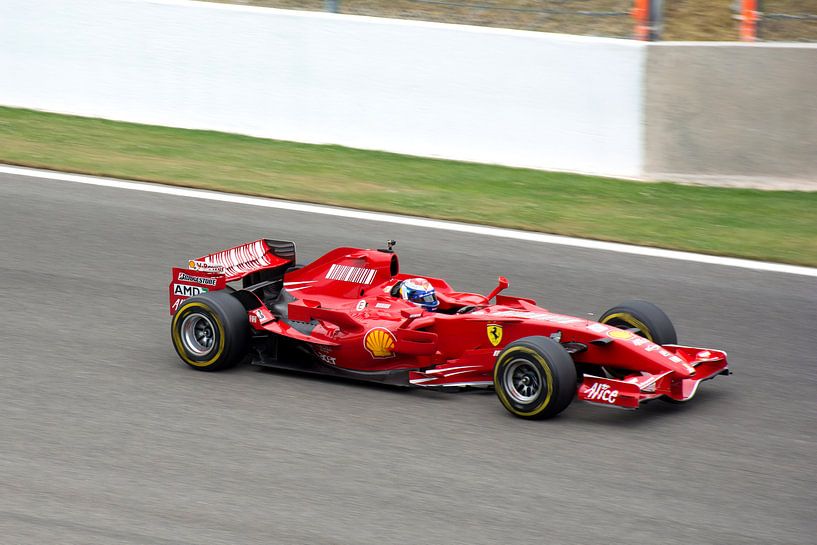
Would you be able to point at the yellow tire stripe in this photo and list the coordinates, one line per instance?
(177, 339)
(548, 379)
(632, 320)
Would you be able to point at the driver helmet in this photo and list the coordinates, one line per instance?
(420, 292)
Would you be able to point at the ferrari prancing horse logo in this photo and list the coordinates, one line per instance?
(495, 334)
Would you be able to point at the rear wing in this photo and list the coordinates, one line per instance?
(244, 260)
(253, 262)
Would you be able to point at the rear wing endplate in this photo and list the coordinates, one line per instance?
(253, 262)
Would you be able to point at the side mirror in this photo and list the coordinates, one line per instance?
(503, 284)
(411, 313)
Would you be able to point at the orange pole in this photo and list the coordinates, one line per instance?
(641, 14)
(749, 16)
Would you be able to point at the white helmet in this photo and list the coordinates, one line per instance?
(420, 292)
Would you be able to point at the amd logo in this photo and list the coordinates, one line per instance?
(188, 291)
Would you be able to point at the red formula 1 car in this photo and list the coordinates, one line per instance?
(345, 314)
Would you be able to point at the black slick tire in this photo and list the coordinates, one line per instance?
(650, 321)
(535, 378)
(210, 332)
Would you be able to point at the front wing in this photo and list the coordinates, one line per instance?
(629, 392)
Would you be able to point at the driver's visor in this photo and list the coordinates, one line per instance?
(427, 298)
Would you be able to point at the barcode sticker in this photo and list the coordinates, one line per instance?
(345, 273)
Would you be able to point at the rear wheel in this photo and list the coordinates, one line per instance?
(210, 332)
(535, 378)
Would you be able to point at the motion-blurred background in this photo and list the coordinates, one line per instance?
(597, 125)
(774, 20)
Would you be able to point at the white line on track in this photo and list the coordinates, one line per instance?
(409, 220)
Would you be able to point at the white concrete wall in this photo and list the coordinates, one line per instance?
(488, 95)
(731, 111)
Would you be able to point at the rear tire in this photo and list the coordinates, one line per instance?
(211, 332)
(535, 378)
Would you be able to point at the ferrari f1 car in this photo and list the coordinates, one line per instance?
(343, 315)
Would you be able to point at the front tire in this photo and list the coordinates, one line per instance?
(535, 378)
(648, 320)
(210, 332)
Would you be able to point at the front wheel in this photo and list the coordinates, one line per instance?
(210, 332)
(535, 378)
(644, 319)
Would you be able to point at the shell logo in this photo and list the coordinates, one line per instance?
(379, 342)
(619, 334)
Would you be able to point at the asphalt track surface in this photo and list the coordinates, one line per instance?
(107, 438)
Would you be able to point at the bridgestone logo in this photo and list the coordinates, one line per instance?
(197, 279)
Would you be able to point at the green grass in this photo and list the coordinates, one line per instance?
(769, 225)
